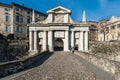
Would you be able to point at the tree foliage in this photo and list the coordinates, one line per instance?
(10, 36)
(1, 36)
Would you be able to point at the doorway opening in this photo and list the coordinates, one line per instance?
(76, 47)
(58, 44)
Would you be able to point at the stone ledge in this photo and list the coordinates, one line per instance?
(110, 66)
(16, 65)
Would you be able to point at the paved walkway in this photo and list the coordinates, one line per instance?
(63, 66)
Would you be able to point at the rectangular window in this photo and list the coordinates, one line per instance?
(7, 9)
(7, 29)
(119, 35)
(17, 18)
(112, 27)
(17, 9)
(41, 17)
(113, 36)
(18, 29)
(37, 15)
(21, 10)
(7, 18)
(107, 28)
(28, 12)
(118, 25)
(28, 20)
(21, 19)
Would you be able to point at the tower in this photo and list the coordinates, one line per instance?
(33, 16)
(84, 16)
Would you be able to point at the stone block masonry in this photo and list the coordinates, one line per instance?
(14, 66)
(110, 66)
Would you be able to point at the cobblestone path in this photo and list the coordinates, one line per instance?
(63, 66)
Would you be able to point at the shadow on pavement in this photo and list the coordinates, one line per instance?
(41, 60)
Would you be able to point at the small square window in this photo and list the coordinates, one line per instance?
(7, 29)
(112, 27)
(28, 12)
(17, 9)
(7, 18)
(118, 25)
(7, 9)
(18, 29)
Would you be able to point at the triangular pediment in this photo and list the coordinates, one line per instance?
(59, 9)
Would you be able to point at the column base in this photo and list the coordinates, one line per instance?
(67, 50)
(51, 50)
(33, 52)
(84, 50)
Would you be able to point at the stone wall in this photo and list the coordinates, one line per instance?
(110, 66)
(7, 68)
(109, 50)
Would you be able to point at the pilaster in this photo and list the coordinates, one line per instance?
(66, 41)
(50, 41)
(81, 42)
(86, 41)
(30, 41)
(44, 40)
(73, 39)
(35, 41)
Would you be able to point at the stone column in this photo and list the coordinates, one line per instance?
(44, 40)
(35, 41)
(66, 41)
(86, 41)
(50, 41)
(81, 42)
(73, 39)
(30, 41)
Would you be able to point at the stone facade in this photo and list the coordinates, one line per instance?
(6, 19)
(109, 30)
(93, 33)
(14, 19)
(58, 25)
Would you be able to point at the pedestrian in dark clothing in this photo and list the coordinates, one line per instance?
(72, 49)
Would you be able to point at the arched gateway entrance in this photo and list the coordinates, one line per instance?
(58, 44)
(58, 32)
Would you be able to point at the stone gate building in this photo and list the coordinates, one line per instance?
(58, 26)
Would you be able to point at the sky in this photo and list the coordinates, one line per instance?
(95, 9)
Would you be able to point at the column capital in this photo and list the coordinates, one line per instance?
(51, 30)
(87, 31)
(81, 31)
(35, 30)
(44, 30)
(31, 30)
(67, 30)
(72, 30)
